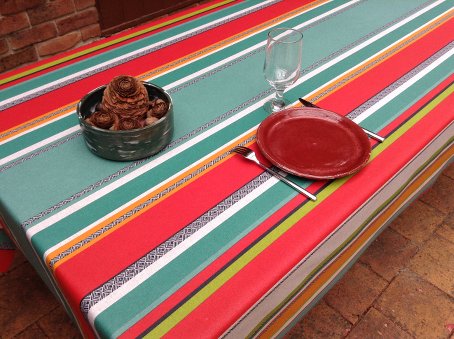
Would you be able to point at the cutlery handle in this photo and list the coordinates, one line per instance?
(373, 135)
(369, 133)
(288, 182)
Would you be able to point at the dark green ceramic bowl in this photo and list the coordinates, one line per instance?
(126, 145)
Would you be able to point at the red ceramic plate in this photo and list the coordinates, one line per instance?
(313, 143)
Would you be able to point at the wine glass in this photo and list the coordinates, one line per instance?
(283, 56)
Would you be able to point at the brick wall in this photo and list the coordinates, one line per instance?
(32, 30)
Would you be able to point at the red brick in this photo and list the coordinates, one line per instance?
(24, 289)
(59, 44)
(58, 325)
(321, 322)
(417, 306)
(91, 31)
(13, 23)
(441, 194)
(353, 295)
(19, 58)
(435, 263)
(449, 171)
(31, 332)
(50, 10)
(3, 46)
(78, 20)
(389, 254)
(33, 35)
(418, 222)
(375, 325)
(16, 6)
(82, 4)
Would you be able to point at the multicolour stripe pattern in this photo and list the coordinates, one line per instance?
(195, 241)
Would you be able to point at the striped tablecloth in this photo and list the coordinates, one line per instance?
(195, 241)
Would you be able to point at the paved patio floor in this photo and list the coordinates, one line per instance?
(401, 287)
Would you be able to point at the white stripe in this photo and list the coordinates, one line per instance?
(176, 251)
(152, 269)
(130, 176)
(126, 288)
(256, 46)
(40, 144)
(36, 128)
(107, 189)
(371, 40)
(193, 75)
(207, 69)
(405, 86)
(80, 204)
(133, 201)
(130, 54)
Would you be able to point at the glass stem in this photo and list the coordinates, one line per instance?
(278, 101)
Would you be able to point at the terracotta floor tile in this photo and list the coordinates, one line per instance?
(24, 299)
(321, 322)
(355, 292)
(57, 324)
(441, 194)
(449, 171)
(31, 332)
(435, 263)
(19, 259)
(418, 222)
(447, 228)
(417, 306)
(389, 253)
(375, 325)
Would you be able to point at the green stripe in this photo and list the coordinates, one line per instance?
(111, 43)
(97, 209)
(346, 243)
(247, 257)
(166, 281)
(120, 51)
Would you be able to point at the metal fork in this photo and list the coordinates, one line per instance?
(250, 155)
(369, 133)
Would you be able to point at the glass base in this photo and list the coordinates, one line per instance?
(274, 105)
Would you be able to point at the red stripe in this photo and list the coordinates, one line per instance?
(70, 93)
(241, 292)
(396, 72)
(384, 74)
(109, 39)
(94, 265)
(209, 271)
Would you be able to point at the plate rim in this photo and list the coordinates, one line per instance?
(344, 119)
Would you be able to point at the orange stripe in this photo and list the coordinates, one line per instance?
(41, 120)
(350, 76)
(66, 246)
(231, 40)
(110, 42)
(317, 284)
(167, 67)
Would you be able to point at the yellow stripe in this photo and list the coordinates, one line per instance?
(99, 226)
(31, 124)
(61, 249)
(330, 87)
(316, 286)
(231, 40)
(178, 315)
(111, 42)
